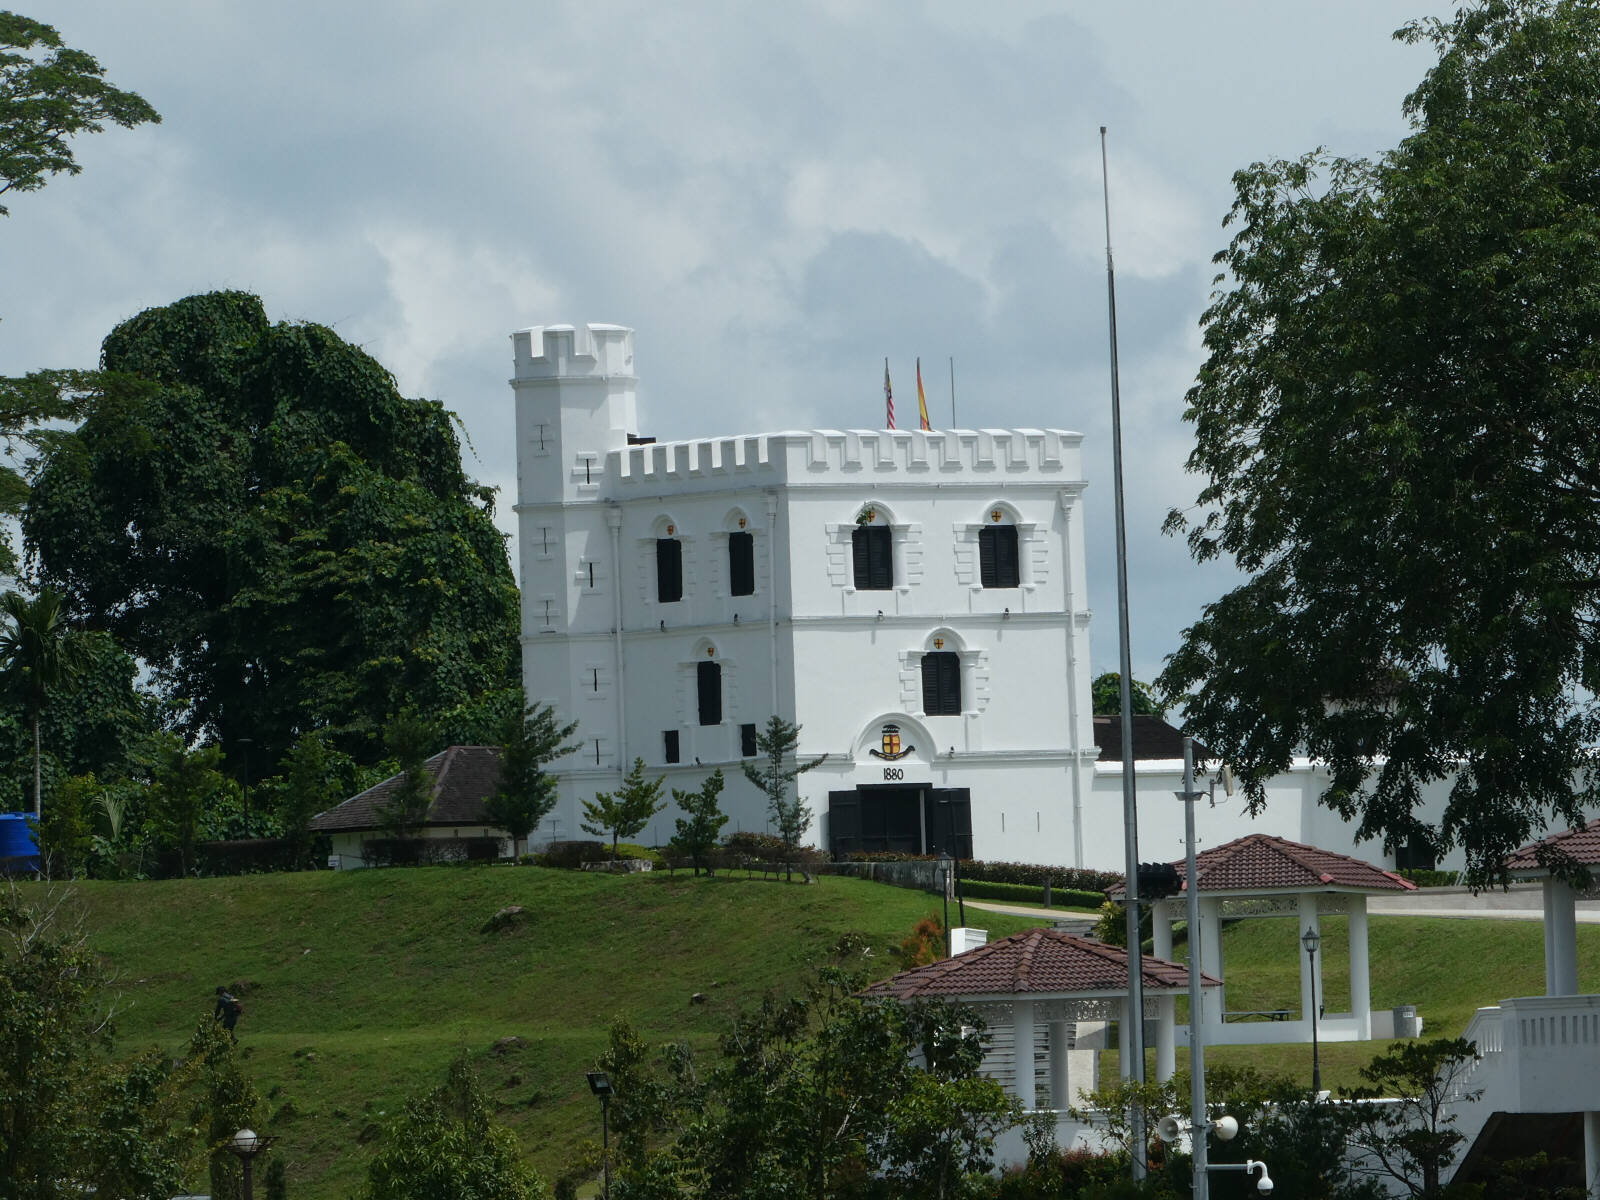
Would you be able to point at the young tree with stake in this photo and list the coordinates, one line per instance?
(776, 779)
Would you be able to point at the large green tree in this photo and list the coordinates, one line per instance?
(256, 512)
(50, 93)
(1395, 424)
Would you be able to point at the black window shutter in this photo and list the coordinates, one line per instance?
(747, 741)
(710, 681)
(997, 556)
(844, 823)
(741, 564)
(941, 684)
(872, 551)
(669, 745)
(669, 570)
(1005, 542)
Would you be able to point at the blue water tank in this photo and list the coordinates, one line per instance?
(17, 847)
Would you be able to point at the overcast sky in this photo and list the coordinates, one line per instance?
(775, 196)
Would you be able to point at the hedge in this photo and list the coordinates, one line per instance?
(982, 889)
(1062, 879)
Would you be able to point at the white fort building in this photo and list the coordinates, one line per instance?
(914, 600)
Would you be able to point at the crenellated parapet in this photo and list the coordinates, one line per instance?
(557, 352)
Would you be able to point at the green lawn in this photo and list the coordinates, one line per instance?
(360, 986)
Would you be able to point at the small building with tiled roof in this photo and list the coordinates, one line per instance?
(464, 777)
(1260, 875)
(1038, 991)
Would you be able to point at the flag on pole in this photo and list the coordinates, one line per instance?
(888, 395)
(922, 398)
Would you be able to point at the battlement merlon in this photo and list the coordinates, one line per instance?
(557, 352)
(914, 455)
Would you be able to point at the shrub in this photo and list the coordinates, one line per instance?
(982, 889)
(570, 856)
(925, 943)
(1423, 878)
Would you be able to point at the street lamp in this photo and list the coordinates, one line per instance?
(247, 1143)
(1311, 939)
(600, 1085)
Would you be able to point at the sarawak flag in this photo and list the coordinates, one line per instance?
(922, 398)
(888, 394)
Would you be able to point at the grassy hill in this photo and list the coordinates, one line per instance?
(359, 987)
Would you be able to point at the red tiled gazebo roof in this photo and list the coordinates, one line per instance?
(1035, 962)
(1575, 845)
(1259, 862)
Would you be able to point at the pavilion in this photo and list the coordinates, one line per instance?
(1032, 989)
(1264, 876)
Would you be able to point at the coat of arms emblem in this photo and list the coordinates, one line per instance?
(892, 749)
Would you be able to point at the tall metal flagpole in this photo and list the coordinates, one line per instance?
(1133, 1052)
(952, 391)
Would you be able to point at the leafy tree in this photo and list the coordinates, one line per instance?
(49, 93)
(444, 1144)
(626, 811)
(38, 654)
(776, 778)
(1107, 693)
(1411, 1142)
(701, 825)
(66, 832)
(530, 741)
(312, 781)
(184, 786)
(228, 1102)
(405, 809)
(1395, 428)
(33, 409)
(256, 513)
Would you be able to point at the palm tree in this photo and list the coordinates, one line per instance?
(37, 654)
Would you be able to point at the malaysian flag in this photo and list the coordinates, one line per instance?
(888, 395)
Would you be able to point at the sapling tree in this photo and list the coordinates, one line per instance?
(530, 742)
(775, 777)
(627, 810)
(1411, 1138)
(702, 822)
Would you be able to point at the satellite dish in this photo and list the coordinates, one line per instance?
(1169, 1128)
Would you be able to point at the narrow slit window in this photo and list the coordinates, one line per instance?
(669, 570)
(741, 564)
(747, 741)
(872, 548)
(669, 745)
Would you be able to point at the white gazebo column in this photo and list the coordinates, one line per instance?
(1213, 1002)
(1058, 1065)
(1560, 939)
(1591, 1155)
(1360, 975)
(1307, 904)
(1161, 930)
(1022, 1052)
(1166, 1037)
(1124, 1039)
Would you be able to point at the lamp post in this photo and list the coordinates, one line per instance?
(247, 1143)
(600, 1085)
(1311, 939)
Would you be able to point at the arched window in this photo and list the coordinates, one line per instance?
(708, 680)
(669, 570)
(997, 557)
(741, 564)
(941, 683)
(872, 550)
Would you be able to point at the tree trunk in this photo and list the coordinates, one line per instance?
(37, 811)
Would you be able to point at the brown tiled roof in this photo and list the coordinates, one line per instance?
(1152, 738)
(1261, 862)
(463, 778)
(1575, 845)
(1036, 962)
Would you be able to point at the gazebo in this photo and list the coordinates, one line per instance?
(1264, 876)
(1032, 989)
